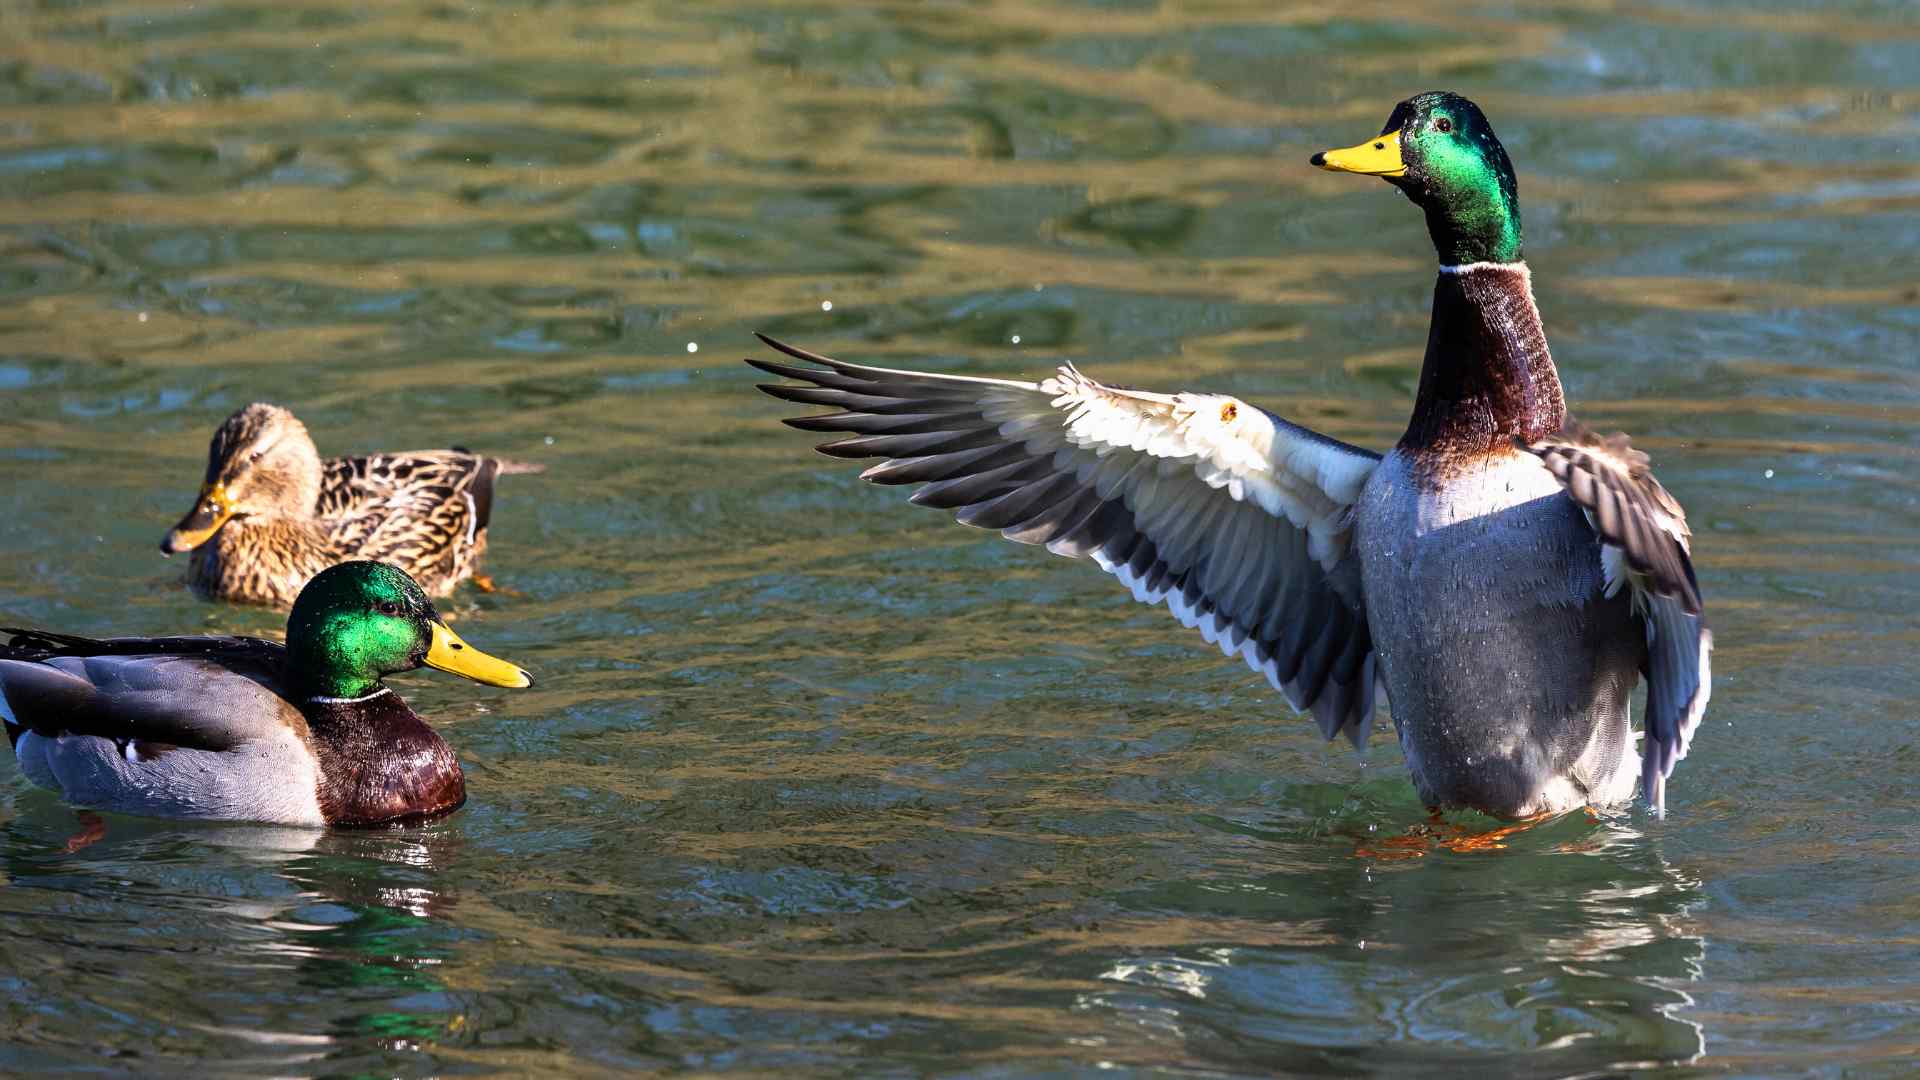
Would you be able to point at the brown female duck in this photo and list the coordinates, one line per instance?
(271, 513)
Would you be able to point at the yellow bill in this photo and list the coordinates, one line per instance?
(449, 653)
(1379, 156)
(209, 512)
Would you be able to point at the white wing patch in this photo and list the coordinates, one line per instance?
(1232, 446)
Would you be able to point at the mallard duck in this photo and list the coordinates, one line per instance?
(240, 729)
(272, 514)
(1504, 575)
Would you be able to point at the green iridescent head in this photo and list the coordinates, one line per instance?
(1439, 150)
(359, 621)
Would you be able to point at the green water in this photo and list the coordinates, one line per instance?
(817, 783)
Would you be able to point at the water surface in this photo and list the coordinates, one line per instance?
(814, 782)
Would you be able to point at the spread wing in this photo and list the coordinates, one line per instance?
(1646, 547)
(1235, 519)
(208, 693)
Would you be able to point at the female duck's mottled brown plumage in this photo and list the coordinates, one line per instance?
(271, 513)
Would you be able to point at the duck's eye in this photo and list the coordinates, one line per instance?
(388, 607)
(1443, 125)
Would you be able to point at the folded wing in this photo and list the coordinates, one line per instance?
(1646, 547)
(417, 509)
(205, 693)
(1235, 519)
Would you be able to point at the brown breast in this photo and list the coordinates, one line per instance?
(380, 764)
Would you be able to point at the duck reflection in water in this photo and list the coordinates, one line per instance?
(1574, 947)
(353, 927)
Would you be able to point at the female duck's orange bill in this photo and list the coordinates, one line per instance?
(209, 512)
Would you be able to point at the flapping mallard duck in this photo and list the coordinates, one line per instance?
(272, 514)
(240, 729)
(1506, 577)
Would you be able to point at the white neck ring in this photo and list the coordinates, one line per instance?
(322, 699)
(1468, 268)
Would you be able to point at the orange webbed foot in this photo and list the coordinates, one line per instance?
(1492, 839)
(93, 829)
(1437, 832)
(486, 584)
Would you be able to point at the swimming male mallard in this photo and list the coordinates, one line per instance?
(240, 729)
(1506, 577)
(271, 514)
